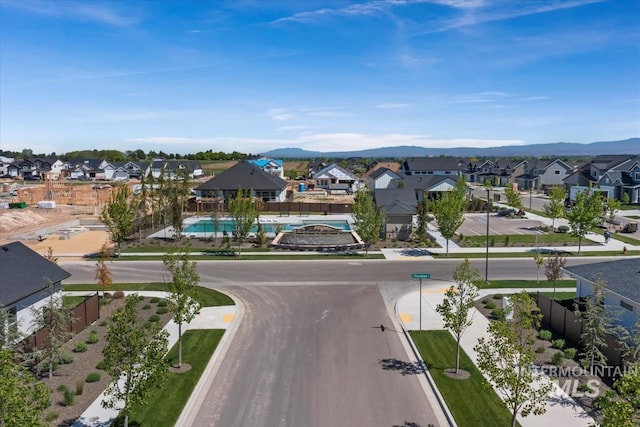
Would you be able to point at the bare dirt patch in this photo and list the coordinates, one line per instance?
(460, 375)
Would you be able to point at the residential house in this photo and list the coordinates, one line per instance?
(500, 172)
(622, 178)
(543, 174)
(381, 178)
(399, 207)
(172, 169)
(87, 169)
(114, 171)
(614, 174)
(28, 279)
(135, 169)
(22, 168)
(334, 178)
(247, 176)
(425, 186)
(622, 286)
(274, 167)
(4, 164)
(453, 166)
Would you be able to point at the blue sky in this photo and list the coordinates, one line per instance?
(255, 75)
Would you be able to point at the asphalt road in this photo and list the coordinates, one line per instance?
(315, 356)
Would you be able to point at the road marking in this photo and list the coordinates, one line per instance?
(227, 318)
(406, 318)
(355, 263)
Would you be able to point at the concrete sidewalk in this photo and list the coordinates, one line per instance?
(208, 318)
(561, 408)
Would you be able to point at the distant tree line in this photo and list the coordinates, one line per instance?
(134, 155)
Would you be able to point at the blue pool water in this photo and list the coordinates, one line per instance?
(208, 226)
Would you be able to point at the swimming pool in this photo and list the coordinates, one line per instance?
(227, 225)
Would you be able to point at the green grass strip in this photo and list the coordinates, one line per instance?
(248, 257)
(559, 295)
(619, 236)
(166, 405)
(496, 284)
(521, 239)
(530, 254)
(69, 301)
(472, 401)
(207, 297)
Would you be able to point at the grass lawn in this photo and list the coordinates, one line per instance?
(619, 236)
(208, 297)
(530, 254)
(472, 402)
(521, 240)
(559, 295)
(496, 284)
(629, 207)
(166, 405)
(633, 216)
(540, 213)
(248, 256)
(69, 301)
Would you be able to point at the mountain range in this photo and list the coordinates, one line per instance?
(627, 146)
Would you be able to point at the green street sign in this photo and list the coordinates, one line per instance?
(420, 275)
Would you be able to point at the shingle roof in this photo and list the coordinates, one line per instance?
(424, 182)
(396, 200)
(434, 163)
(621, 276)
(335, 171)
(379, 172)
(24, 272)
(246, 175)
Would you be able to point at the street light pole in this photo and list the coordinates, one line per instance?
(486, 264)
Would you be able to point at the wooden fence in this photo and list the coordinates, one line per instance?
(82, 316)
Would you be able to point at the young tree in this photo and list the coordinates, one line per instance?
(625, 199)
(585, 214)
(449, 213)
(183, 297)
(50, 257)
(422, 212)
(555, 208)
(134, 358)
(119, 215)
(103, 274)
(513, 197)
(506, 357)
(553, 269)
(58, 322)
(367, 217)
(243, 211)
(22, 398)
(539, 260)
(621, 408)
(596, 323)
(613, 206)
(143, 206)
(458, 300)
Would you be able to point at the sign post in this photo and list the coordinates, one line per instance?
(420, 276)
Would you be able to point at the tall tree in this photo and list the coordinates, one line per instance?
(458, 300)
(596, 324)
(449, 213)
(243, 211)
(613, 206)
(585, 214)
(506, 357)
(183, 296)
(553, 269)
(134, 358)
(23, 399)
(119, 215)
(513, 197)
(103, 274)
(57, 320)
(367, 217)
(621, 406)
(422, 212)
(555, 208)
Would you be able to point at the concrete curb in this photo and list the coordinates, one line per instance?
(198, 394)
(427, 375)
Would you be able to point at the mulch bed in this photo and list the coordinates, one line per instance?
(85, 363)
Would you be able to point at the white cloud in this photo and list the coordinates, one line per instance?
(294, 127)
(280, 114)
(104, 13)
(329, 114)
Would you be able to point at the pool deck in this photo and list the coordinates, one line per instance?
(294, 220)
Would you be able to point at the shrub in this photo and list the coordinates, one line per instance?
(103, 323)
(102, 365)
(61, 388)
(92, 338)
(570, 353)
(585, 388)
(540, 349)
(154, 300)
(154, 318)
(559, 344)
(162, 310)
(104, 301)
(563, 229)
(584, 363)
(140, 298)
(79, 387)
(107, 295)
(492, 243)
(68, 396)
(558, 358)
(66, 358)
(498, 313)
(118, 295)
(45, 367)
(498, 296)
(545, 334)
(490, 305)
(506, 240)
(163, 303)
(146, 307)
(485, 301)
(80, 348)
(51, 416)
(93, 377)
